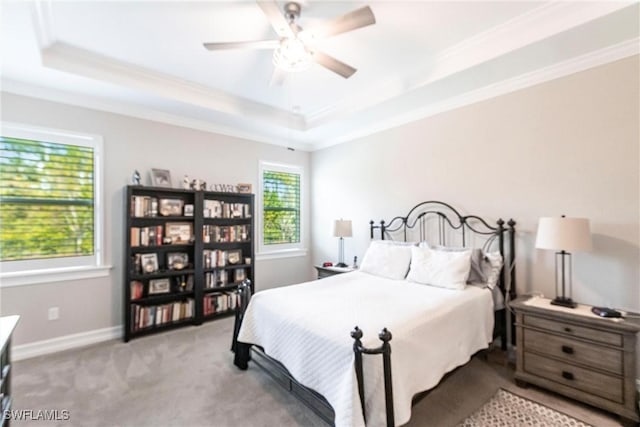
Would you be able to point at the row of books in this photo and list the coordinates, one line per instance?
(147, 236)
(217, 278)
(220, 209)
(219, 303)
(155, 315)
(225, 233)
(144, 206)
(219, 258)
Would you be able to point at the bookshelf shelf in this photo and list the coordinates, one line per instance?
(219, 315)
(215, 244)
(163, 299)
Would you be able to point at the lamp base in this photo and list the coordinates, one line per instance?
(341, 265)
(564, 302)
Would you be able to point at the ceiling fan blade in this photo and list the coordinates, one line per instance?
(351, 21)
(333, 64)
(258, 44)
(277, 78)
(276, 17)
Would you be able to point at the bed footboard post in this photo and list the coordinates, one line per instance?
(512, 266)
(356, 334)
(241, 350)
(503, 284)
(385, 350)
(385, 337)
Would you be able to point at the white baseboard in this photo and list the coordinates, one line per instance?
(66, 342)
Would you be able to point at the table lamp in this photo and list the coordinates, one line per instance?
(341, 229)
(564, 235)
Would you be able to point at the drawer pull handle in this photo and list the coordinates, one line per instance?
(568, 330)
(567, 375)
(567, 349)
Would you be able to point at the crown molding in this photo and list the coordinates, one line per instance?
(43, 24)
(542, 22)
(145, 113)
(580, 63)
(72, 59)
(270, 124)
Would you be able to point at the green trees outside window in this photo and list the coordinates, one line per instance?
(281, 205)
(46, 200)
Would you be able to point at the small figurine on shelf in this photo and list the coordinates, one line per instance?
(185, 183)
(135, 178)
(198, 184)
(355, 262)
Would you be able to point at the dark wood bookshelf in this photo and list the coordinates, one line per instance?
(148, 212)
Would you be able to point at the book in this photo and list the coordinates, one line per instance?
(137, 288)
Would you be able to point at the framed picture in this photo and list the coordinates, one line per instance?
(244, 188)
(160, 178)
(159, 286)
(188, 210)
(180, 233)
(171, 207)
(239, 275)
(234, 256)
(177, 260)
(149, 262)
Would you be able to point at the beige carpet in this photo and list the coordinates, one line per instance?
(185, 378)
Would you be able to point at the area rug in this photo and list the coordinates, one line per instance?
(506, 409)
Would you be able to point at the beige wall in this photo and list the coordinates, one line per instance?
(134, 144)
(569, 146)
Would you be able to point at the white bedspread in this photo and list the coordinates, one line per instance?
(306, 327)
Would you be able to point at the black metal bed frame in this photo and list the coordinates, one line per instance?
(448, 219)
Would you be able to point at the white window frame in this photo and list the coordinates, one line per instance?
(29, 272)
(287, 249)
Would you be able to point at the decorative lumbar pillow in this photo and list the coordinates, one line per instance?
(476, 273)
(445, 269)
(386, 259)
(491, 265)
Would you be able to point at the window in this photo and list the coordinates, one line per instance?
(280, 204)
(50, 202)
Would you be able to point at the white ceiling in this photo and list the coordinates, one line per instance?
(146, 59)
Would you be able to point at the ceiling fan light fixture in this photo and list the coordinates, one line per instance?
(292, 55)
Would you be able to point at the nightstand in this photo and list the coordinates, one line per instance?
(578, 354)
(331, 271)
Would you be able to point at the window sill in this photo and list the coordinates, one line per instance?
(34, 277)
(288, 253)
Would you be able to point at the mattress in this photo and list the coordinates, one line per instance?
(307, 327)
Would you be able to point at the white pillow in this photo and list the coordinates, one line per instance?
(491, 267)
(387, 260)
(445, 269)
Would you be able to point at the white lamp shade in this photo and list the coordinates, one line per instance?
(342, 228)
(564, 234)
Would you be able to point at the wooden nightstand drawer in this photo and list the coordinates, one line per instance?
(574, 351)
(569, 329)
(578, 354)
(591, 382)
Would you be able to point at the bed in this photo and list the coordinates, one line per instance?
(320, 339)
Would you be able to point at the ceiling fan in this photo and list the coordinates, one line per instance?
(295, 51)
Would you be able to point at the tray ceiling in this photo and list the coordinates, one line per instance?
(146, 59)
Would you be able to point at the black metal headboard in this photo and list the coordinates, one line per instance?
(440, 223)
